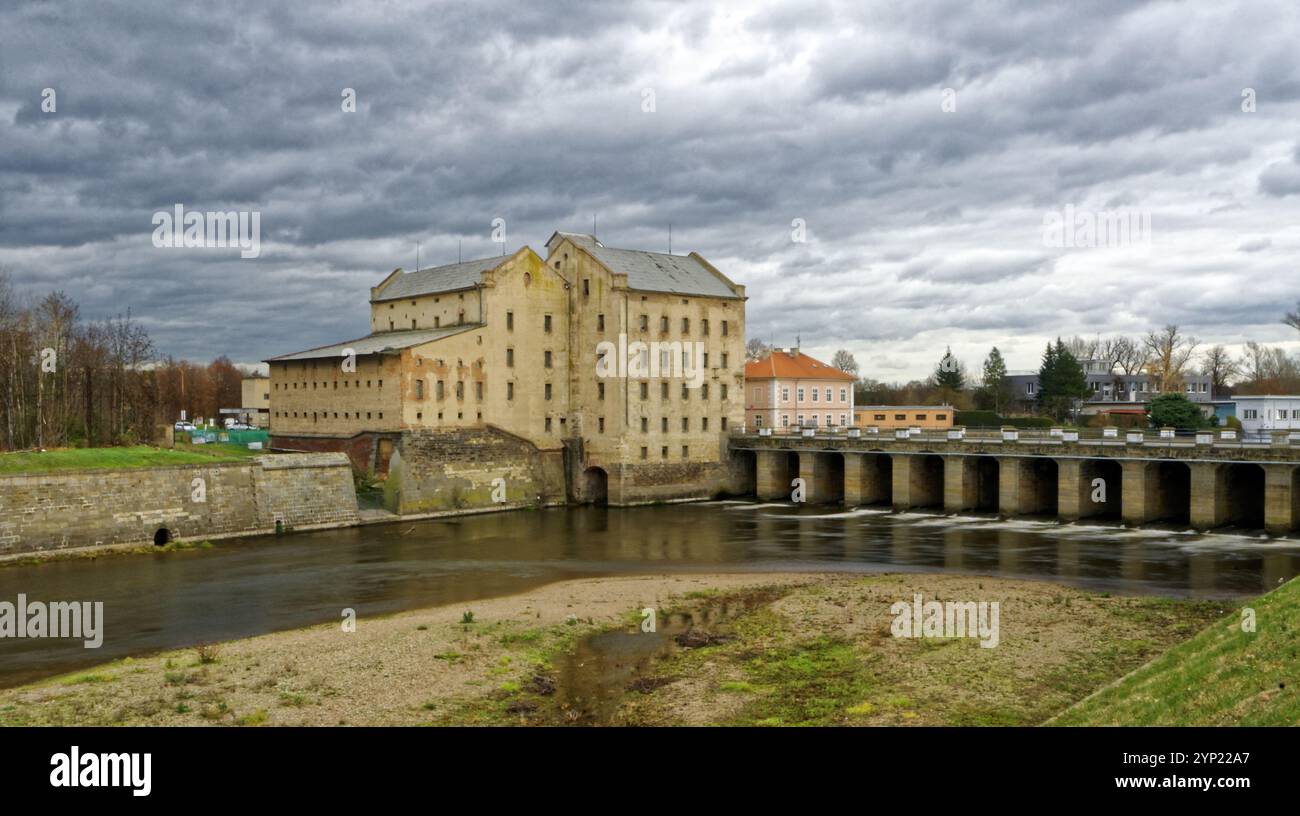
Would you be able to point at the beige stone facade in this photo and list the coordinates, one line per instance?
(514, 343)
(255, 400)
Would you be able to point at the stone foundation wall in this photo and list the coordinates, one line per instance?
(86, 508)
(455, 469)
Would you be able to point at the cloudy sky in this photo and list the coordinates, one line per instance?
(917, 148)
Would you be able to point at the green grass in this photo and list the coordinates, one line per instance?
(1221, 676)
(137, 456)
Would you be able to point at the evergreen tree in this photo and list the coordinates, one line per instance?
(994, 391)
(1046, 380)
(948, 376)
(1061, 381)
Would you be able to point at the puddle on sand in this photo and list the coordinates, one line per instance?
(593, 678)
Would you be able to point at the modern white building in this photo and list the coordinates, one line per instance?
(1268, 413)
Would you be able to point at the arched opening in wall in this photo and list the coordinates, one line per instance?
(927, 481)
(595, 486)
(1039, 486)
(986, 484)
(1244, 483)
(1173, 492)
(162, 537)
(1102, 494)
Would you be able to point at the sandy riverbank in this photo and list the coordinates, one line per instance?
(793, 648)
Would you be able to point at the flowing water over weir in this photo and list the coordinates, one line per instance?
(251, 586)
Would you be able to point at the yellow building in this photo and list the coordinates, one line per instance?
(255, 400)
(525, 346)
(889, 417)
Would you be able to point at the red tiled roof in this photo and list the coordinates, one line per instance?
(783, 365)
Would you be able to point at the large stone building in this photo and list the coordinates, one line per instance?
(539, 351)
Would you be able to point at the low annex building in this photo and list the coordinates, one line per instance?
(518, 346)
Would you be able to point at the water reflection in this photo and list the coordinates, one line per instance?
(251, 586)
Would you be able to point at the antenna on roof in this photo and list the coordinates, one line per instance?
(458, 250)
(593, 225)
(670, 237)
(417, 256)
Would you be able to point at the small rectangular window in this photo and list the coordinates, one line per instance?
(510, 321)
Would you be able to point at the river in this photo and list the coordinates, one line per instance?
(244, 587)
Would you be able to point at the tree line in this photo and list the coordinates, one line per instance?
(1167, 356)
(69, 381)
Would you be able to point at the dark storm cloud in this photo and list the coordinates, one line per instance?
(923, 228)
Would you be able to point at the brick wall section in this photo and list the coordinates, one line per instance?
(363, 449)
(453, 469)
(86, 508)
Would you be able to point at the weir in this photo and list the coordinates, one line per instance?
(1136, 481)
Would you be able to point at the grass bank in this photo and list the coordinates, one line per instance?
(766, 649)
(1225, 675)
(136, 456)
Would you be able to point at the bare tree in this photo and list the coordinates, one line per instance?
(1267, 369)
(1168, 352)
(844, 361)
(1219, 366)
(1084, 349)
(756, 349)
(1292, 318)
(1130, 355)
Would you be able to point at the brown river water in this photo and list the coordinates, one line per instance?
(251, 586)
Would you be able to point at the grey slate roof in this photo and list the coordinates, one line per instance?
(655, 271)
(377, 343)
(447, 278)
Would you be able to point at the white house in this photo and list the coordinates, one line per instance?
(1268, 413)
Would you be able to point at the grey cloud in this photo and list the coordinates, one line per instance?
(924, 226)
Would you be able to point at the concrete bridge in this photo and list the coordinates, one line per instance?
(1203, 482)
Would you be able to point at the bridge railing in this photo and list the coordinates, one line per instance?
(1172, 437)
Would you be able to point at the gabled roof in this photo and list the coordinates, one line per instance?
(377, 343)
(449, 278)
(793, 365)
(655, 271)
